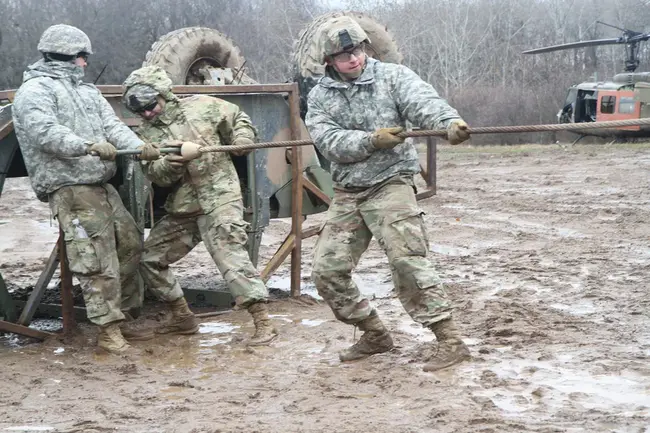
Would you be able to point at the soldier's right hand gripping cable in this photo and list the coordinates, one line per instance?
(386, 138)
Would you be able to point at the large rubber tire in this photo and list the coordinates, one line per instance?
(306, 66)
(177, 51)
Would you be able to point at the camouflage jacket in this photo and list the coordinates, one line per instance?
(341, 117)
(211, 180)
(56, 117)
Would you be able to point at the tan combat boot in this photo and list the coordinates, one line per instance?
(134, 332)
(375, 339)
(264, 331)
(183, 321)
(451, 349)
(111, 340)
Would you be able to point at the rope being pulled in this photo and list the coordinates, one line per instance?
(423, 133)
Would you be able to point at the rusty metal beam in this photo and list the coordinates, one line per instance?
(67, 300)
(432, 164)
(23, 330)
(279, 257)
(218, 90)
(113, 90)
(39, 289)
(296, 190)
(283, 252)
(6, 130)
(309, 185)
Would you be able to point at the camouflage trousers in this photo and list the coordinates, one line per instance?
(223, 232)
(388, 211)
(103, 245)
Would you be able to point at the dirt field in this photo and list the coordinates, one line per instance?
(545, 250)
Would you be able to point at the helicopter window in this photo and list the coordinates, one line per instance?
(607, 104)
(626, 105)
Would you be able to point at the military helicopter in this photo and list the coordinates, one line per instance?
(626, 96)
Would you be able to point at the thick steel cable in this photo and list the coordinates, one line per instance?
(424, 133)
(443, 133)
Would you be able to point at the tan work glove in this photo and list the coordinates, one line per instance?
(242, 140)
(385, 138)
(457, 131)
(149, 152)
(175, 160)
(105, 150)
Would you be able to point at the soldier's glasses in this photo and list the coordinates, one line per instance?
(346, 56)
(147, 107)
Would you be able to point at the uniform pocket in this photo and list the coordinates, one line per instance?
(407, 236)
(82, 256)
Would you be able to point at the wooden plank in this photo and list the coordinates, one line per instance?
(39, 289)
(23, 330)
(309, 185)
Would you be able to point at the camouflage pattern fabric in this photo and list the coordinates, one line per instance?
(150, 76)
(103, 246)
(341, 117)
(205, 202)
(64, 39)
(139, 96)
(389, 212)
(211, 180)
(56, 117)
(224, 233)
(329, 40)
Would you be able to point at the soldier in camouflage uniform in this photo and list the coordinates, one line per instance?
(354, 114)
(205, 203)
(68, 135)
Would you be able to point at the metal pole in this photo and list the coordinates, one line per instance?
(296, 191)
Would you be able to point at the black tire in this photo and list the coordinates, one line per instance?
(306, 67)
(182, 51)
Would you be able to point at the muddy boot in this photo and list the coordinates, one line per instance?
(264, 331)
(183, 321)
(133, 332)
(451, 349)
(375, 339)
(111, 340)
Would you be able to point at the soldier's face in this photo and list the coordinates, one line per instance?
(81, 61)
(349, 62)
(155, 111)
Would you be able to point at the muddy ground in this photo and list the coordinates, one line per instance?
(545, 251)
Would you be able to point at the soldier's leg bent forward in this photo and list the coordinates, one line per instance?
(224, 234)
(396, 220)
(341, 243)
(171, 239)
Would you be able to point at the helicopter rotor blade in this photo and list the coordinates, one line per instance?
(609, 41)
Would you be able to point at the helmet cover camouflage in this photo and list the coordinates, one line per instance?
(64, 39)
(139, 96)
(144, 84)
(340, 34)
